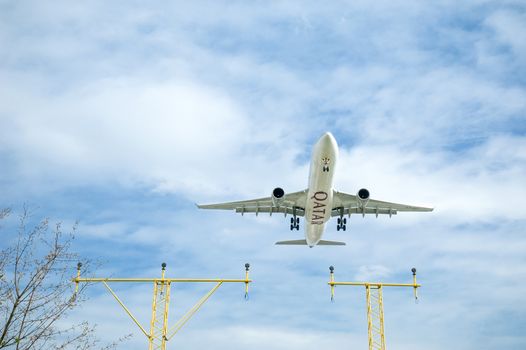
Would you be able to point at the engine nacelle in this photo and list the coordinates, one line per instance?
(277, 196)
(363, 197)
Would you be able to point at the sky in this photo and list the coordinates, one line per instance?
(122, 115)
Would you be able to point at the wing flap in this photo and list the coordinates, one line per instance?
(237, 204)
(349, 204)
(270, 210)
(366, 210)
(292, 202)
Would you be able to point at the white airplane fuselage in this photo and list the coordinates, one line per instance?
(318, 203)
(318, 206)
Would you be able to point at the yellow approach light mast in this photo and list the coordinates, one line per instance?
(159, 332)
(375, 305)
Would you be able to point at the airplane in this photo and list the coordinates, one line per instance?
(319, 202)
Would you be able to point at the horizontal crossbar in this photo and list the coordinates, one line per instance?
(374, 284)
(161, 280)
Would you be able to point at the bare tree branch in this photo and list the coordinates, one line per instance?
(36, 292)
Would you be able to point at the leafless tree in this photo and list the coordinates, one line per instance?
(36, 290)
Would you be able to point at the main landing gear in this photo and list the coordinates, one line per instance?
(294, 223)
(342, 222)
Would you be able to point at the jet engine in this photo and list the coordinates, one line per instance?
(363, 197)
(277, 196)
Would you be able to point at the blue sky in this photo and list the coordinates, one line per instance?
(122, 115)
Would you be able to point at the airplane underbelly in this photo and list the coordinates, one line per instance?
(317, 212)
(319, 206)
(313, 233)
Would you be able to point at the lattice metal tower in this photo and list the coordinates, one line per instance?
(375, 305)
(160, 333)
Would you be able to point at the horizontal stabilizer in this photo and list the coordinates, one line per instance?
(322, 242)
(293, 242)
(304, 242)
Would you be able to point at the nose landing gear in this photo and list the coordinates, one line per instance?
(325, 161)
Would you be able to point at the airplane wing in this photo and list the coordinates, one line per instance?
(291, 203)
(346, 204)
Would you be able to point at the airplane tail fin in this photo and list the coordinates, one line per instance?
(304, 242)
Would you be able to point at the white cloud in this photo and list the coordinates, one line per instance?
(507, 25)
(372, 273)
(210, 102)
(116, 129)
(484, 183)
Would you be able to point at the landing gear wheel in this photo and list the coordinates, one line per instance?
(291, 227)
(297, 221)
(344, 227)
(344, 221)
(339, 221)
(338, 228)
(291, 220)
(297, 227)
